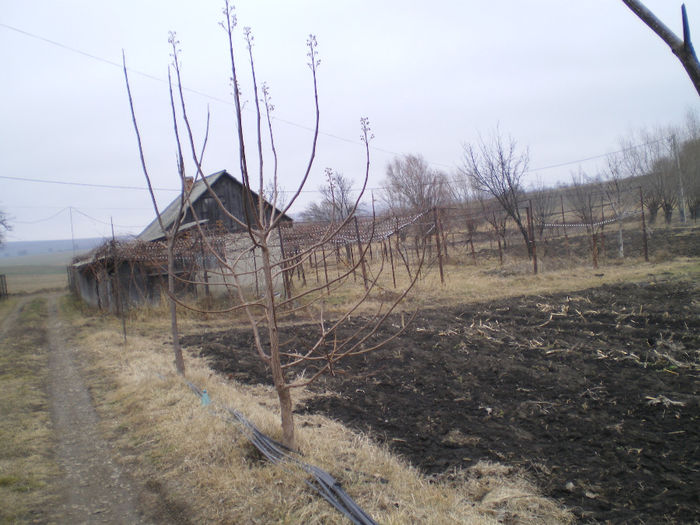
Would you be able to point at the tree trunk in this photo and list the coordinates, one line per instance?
(526, 237)
(620, 241)
(683, 49)
(177, 350)
(668, 214)
(278, 379)
(652, 215)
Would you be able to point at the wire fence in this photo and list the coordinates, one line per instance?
(545, 233)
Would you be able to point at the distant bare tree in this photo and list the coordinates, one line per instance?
(4, 226)
(461, 190)
(664, 183)
(337, 201)
(581, 195)
(544, 204)
(647, 155)
(497, 167)
(616, 190)
(683, 49)
(581, 198)
(690, 161)
(412, 186)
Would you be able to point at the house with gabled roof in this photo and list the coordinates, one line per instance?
(205, 210)
(118, 274)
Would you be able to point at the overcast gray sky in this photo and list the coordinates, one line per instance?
(565, 78)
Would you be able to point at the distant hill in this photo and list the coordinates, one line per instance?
(13, 249)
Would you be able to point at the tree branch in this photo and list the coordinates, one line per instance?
(683, 49)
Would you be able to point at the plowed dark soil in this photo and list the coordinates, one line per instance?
(595, 394)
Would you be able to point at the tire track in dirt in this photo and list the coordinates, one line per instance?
(93, 489)
(11, 317)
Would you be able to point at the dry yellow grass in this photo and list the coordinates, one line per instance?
(465, 282)
(192, 455)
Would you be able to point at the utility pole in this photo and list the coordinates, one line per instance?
(72, 236)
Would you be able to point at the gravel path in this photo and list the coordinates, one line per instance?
(93, 489)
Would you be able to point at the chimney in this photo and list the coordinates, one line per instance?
(189, 182)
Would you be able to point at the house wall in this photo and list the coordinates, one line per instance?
(95, 285)
(83, 283)
(246, 264)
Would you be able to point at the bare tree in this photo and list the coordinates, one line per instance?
(497, 167)
(336, 339)
(581, 197)
(682, 48)
(616, 190)
(337, 202)
(411, 185)
(648, 156)
(690, 160)
(4, 226)
(170, 232)
(664, 184)
(544, 203)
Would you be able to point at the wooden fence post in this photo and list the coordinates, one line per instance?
(359, 253)
(316, 265)
(325, 268)
(391, 260)
(285, 278)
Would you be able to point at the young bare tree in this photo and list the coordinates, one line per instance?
(411, 185)
(682, 48)
(169, 231)
(337, 199)
(336, 339)
(497, 167)
(4, 226)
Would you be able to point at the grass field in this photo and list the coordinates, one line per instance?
(32, 273)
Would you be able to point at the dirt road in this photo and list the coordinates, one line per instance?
(93, 489)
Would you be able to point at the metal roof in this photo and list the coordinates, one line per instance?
(153, 231)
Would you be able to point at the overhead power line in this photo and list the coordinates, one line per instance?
(190, 90)
(285, 121)
(369, 188)
(85, 184)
